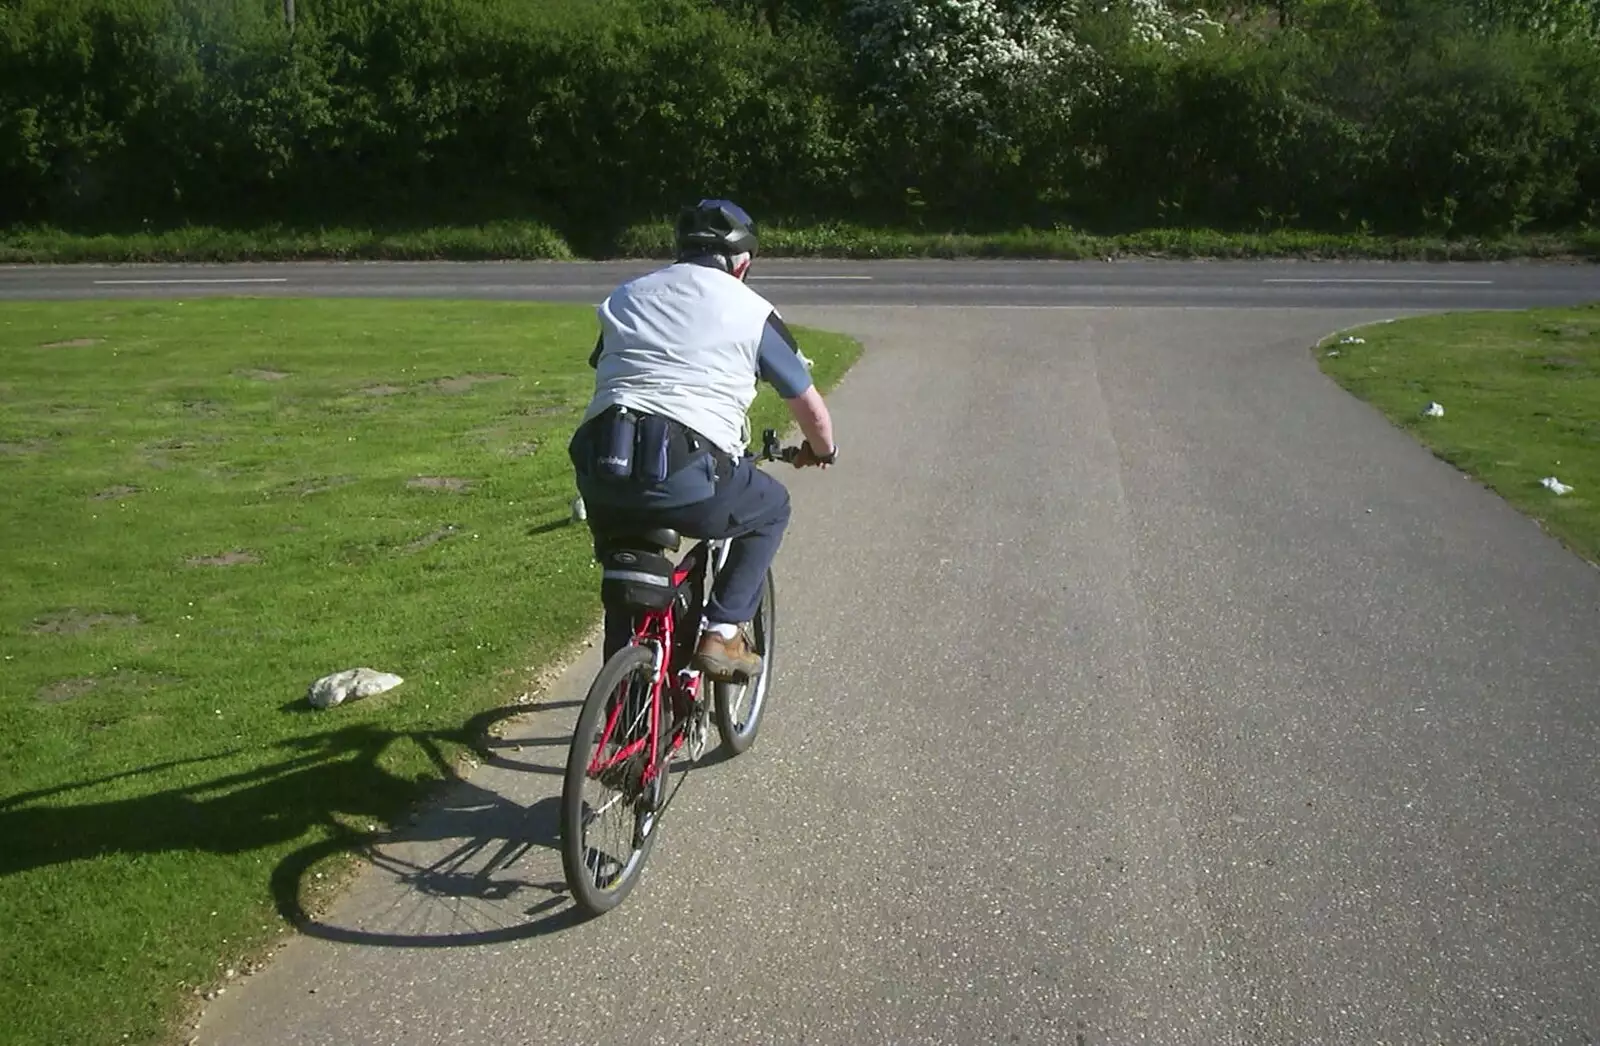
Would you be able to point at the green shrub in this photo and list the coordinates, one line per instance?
(590, 112)
(1353, 122)
(595, 116)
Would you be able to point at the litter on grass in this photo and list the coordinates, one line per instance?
(1556, 485)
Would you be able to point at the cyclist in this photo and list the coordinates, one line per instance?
(663, 441)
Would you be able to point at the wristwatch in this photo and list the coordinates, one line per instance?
(832, 458)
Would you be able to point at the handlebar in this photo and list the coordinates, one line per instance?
(772, 448)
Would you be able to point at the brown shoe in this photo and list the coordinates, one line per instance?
(727, 660)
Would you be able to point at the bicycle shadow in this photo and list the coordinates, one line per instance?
(478, 861)
(478, 864)
(224, 802)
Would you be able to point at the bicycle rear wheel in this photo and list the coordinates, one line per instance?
(739, 705)
(607, 827)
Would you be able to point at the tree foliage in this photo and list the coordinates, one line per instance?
(1462, 116)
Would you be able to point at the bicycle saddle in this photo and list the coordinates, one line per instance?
(646, 537)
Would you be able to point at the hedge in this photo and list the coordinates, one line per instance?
(597, 115)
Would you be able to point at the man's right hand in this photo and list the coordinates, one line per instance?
(815, 424)
(805, 457)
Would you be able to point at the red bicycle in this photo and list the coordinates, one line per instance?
(648, 705)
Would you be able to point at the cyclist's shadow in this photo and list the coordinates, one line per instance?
(480, 864)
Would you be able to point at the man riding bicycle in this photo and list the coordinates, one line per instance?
(663, 441)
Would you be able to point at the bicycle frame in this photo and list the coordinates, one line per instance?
(656, 629)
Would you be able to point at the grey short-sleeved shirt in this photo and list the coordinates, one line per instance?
(689, 342)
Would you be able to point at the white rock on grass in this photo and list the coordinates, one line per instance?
(1551, 483)
(350, 685)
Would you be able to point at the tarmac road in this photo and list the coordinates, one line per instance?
(802, 282)
(1136, 685)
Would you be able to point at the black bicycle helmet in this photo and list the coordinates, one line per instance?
(715, 227)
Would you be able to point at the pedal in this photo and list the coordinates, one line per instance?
(654, 796)
(698, 730)
(696, 721)
(644, 822)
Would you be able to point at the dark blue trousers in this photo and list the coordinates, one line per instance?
(749, 506)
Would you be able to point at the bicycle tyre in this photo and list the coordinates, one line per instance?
(727, 696)
(593, 899)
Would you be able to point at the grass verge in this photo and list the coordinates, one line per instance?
(210, 504)
(1521, 399)
(532, 241)
(843, 240)
(277, 243)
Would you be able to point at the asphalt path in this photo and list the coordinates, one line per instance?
(1136, 684)
(1273, 284)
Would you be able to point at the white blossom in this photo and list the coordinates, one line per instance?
(1154, 22)
(979, 61)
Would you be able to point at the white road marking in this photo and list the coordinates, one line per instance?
(1347, 279)
(1019, 308)
(219, 279)
(807, 279)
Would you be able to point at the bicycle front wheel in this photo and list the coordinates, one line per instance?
(608, 823)
(739, 705)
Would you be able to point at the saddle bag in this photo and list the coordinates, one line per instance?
(635, 580)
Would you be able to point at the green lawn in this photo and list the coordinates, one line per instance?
(1521, 399)
(208, 505)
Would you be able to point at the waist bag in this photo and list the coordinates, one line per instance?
(626, 446)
